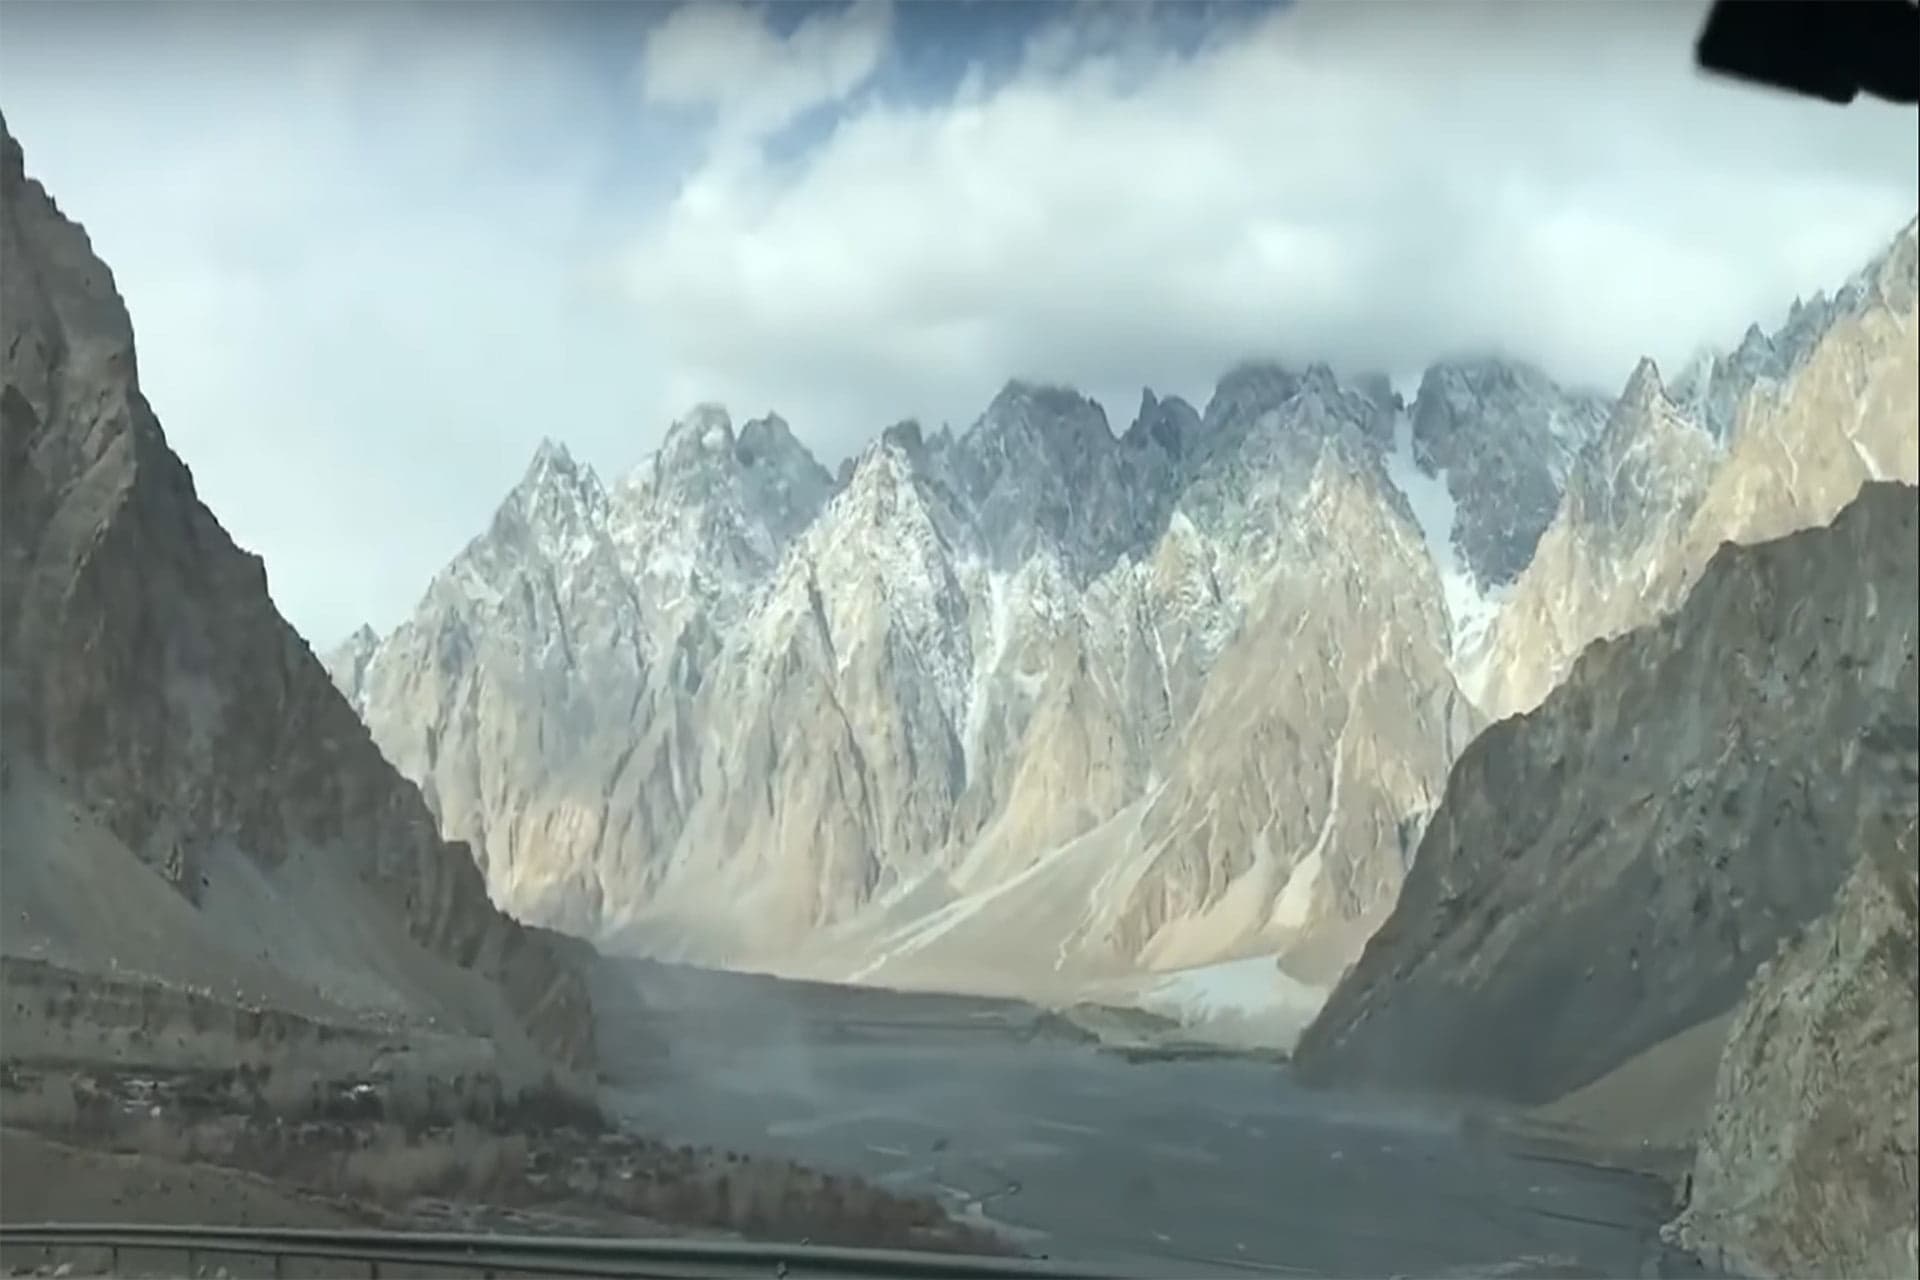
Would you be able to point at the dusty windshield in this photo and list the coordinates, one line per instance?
(1155, 637)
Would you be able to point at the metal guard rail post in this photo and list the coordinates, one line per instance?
(630, 1259)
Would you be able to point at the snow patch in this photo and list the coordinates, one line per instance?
(999, 629)
(1875, 471)
(1293, 906)
(475, 588)
(1470, 611)
(1252, 988)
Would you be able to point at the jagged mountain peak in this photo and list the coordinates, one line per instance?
(556, 494)
(1172, 424)
(897, 518)
(551, 453)
(1031, 423)
(1516, 404)
(1027, 397)
(1041, 465)
(1254, 389)
(1643, 410)
(1504, 435)
(1250, 382)
(1644, 388)
(904, 436)
(766, 437)
(553, 467)
(703, 449)
(346, 662)
(899, 455)
(707, 423)
(1713, 385)
(698, 440)
(554, 511)
(1897, 270)
(1713, 382)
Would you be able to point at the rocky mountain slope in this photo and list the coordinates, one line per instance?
(187, 796)
(1505, 483)
(1809, 1162)
(1612, 867)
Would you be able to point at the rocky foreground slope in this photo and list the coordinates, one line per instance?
(1613, 867)
(1809, 1162)
(187, 796)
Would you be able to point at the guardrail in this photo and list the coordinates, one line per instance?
(498, 1255)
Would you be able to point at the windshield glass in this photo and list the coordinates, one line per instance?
(1170, 637)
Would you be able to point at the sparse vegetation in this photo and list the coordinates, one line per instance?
(465, 1139)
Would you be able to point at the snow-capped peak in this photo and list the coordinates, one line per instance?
(557, 497)
(706, 432)
(550, 458)
(1644, 388)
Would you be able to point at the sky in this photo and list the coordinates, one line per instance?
(375, 253)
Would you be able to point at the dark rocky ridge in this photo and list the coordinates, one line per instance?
(1612, 867)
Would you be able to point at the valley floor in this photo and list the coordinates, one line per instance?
(1195, 1165)
(1097, 1137)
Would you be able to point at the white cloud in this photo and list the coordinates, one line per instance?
(358, 288)
(727, 57)
(1376, 185)
(366, 247)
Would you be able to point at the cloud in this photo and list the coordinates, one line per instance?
(353, 240)
(1376, 185)
(729, 58)
(375, 253)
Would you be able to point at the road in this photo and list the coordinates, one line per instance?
(1210, 1166)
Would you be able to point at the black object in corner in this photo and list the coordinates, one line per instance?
(1831, 49)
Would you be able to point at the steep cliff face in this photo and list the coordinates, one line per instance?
(1612, 867)
(148, 678)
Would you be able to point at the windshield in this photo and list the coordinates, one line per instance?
(1164, 637)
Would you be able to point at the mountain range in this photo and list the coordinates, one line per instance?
(1038, 705)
